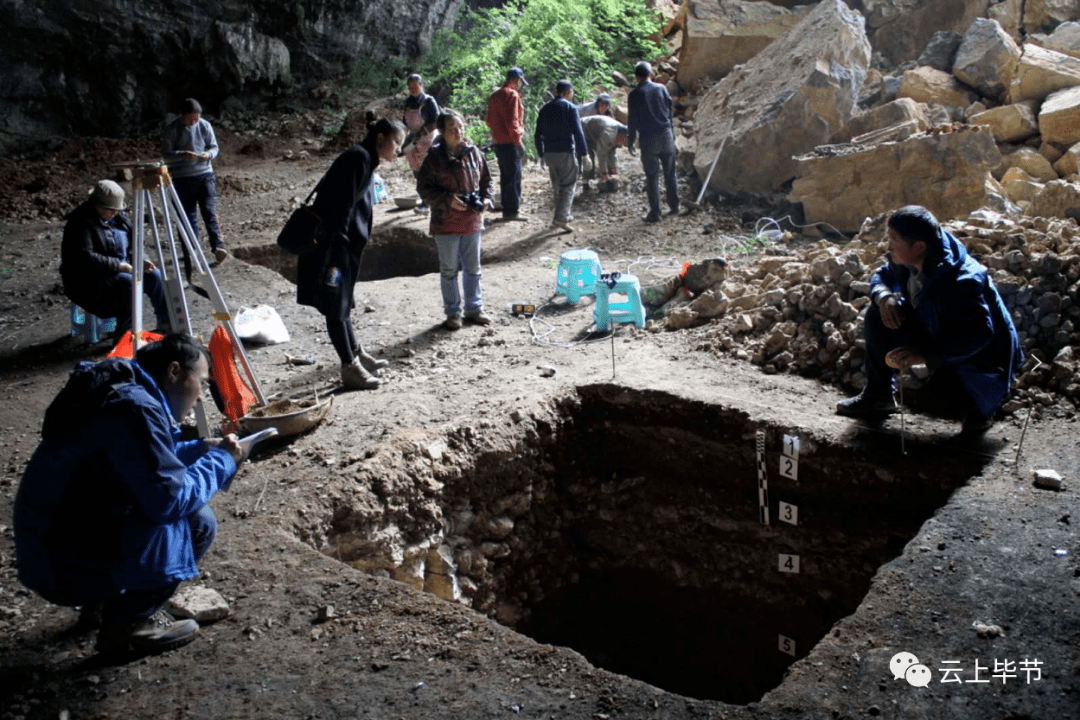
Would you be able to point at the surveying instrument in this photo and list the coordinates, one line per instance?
(149, 180)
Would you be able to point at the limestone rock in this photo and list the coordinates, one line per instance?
(1065, 39)
(65, 79)
(1059, 118)
(725, 33)
(940, 52)
(1009, 123)
(1019, 186)
(1069, 162)
(1030, 161)
(441, 574)
(1041, 72)
(927, 85)
(239, 54)
(1009, 15)
(788, 99)
(884, 116)
(1044, 15)
(1057, 199)
(199, 602)
(946, 172)
(902, 28)
(986, 58)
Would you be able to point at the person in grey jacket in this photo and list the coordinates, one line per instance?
(189, 145)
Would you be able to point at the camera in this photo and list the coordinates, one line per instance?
(474, 201)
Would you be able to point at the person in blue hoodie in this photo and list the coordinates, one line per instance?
(111, 513)
(935, 305)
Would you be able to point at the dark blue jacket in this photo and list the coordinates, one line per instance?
(649, 111)
(104, 503)
(963, 318)
(558, 129)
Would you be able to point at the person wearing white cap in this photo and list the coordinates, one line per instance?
(95, 260)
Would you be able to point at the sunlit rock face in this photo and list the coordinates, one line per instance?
(116, 66)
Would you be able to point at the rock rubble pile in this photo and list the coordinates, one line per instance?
(801, 312)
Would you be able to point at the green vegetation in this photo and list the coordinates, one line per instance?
(579, 40)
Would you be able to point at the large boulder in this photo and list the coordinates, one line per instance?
(940, 52)
(946, 172)
(1041, 16)
(788, 99)
(888, 115)
(1040, 72)
(1065, 39)
(1009, 15)
(927, 85)
(1069, 162)
(1059, 117)
(986, 58)
(900, 29)
(1057, 199)
(720, 34)
(1009, 123)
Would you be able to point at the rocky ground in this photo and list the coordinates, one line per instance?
(987, 577)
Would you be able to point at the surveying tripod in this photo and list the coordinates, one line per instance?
(148, 180)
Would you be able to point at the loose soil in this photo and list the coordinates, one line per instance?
(643, 546)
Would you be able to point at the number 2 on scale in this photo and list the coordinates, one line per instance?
(789, 467)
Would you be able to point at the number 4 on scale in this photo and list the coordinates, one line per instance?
(789, 563)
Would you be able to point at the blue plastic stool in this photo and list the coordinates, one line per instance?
(90, 326)
(577, 275)
(624, 311)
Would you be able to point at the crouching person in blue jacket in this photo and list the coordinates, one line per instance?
(935, 305)
(112, 510)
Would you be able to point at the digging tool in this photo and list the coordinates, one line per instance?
(708, 176)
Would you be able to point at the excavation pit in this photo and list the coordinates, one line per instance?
(627, 526)
(391, 252)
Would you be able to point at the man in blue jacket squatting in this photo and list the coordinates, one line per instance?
(934, 304)
(112, 510)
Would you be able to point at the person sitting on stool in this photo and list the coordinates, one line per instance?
(95, 260)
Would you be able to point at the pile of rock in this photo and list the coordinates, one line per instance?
(802, 312)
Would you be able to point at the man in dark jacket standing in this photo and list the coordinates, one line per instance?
(95, 260)
(935, 305)
(112, 509)
(650, 117)
(560, 143)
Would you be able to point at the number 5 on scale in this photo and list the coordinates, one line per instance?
(787, 645)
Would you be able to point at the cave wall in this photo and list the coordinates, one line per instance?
(115, 67)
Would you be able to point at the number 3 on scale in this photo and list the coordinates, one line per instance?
(789, 513)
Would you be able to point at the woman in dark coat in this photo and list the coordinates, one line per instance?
(327, 275)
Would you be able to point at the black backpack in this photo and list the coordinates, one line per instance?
(86, 391)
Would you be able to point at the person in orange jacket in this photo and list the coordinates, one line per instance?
(506, 118)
